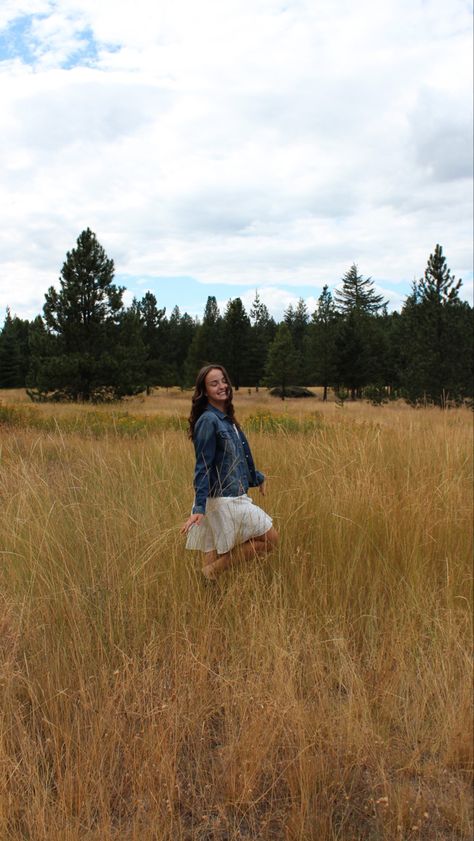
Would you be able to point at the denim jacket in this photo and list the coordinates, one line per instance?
(224, 463)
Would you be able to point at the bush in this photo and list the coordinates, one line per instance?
(291, 391)
(376, 394)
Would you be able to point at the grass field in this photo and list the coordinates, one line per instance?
(322, 694)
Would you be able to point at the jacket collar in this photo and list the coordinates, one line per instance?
(217, 412)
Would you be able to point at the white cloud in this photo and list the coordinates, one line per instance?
(252, 143)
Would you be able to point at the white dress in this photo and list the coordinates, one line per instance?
(228, 521)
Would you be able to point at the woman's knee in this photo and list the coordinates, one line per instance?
(271, 537)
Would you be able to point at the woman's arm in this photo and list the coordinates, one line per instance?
(257, 479)
(205, 448)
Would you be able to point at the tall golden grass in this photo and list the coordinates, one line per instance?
(321, 694)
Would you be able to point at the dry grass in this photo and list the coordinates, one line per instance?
(323, 694)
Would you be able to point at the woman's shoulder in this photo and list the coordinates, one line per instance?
(206, 420)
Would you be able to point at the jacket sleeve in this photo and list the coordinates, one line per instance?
(256, 478)
(204, 440)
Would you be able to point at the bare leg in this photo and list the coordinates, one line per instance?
(256, 547)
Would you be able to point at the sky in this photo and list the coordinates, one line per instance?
(227, 146)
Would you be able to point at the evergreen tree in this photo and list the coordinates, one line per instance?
(357, 294)
(388, 325)
(262, 333)
(11, 375)
(360, 349)
(14, 351)
(236, 325)
(206, 346)
(122, 367)
(300, 325)
(187, 330)
(297, 320)
(436, 334)
(352, 355)
(153, 331)
(87, 325)
(289, 316)
(87, 299)
(320, 349)
(282, 363)
(438, 287)
(180, 330)
(358, 342)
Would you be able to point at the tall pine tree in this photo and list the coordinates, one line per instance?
(436, 333)
(282, 363)
(207, 343)
(357, 294)
(236, 325)
(94, 346)
(358, 341)
(320, 350)
(12, 353)
(153, 331)
(262, 333)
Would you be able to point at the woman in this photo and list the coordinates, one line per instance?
(224, 523)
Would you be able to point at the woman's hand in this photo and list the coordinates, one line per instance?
(193, 520)
(263, 488)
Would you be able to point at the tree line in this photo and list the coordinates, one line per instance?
(88, 346)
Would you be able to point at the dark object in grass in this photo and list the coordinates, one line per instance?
(291, 391)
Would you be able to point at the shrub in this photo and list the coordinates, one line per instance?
(291, 391)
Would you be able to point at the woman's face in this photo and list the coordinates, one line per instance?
(216, 388)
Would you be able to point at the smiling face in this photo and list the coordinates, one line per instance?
(217, 388)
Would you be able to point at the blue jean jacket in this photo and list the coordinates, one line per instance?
(224, 463)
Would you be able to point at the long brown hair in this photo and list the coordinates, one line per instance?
(199, 399)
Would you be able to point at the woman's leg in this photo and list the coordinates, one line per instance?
(266, 542)
(214, 563)
(256, 546)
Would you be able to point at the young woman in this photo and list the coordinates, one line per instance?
(225, 524)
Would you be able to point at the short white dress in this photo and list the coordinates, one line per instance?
(228, 521)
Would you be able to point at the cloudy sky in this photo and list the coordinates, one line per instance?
(220, 146)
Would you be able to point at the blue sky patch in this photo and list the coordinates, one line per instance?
(16, 40)
(86, 54)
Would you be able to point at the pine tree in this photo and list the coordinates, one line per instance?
(436, 334)
(320, 350)
(358, 341)
(262, 333)
(296, 319)
(122, 367)
(282, 363)
(88, 330)
(388, 325)
(357, 294)
(300, 325)
(180, 330)
(186, 331)
(87, 298)
(236, 326)
(10, 360)
(438, 287)
(153, 331)
(207, 343)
